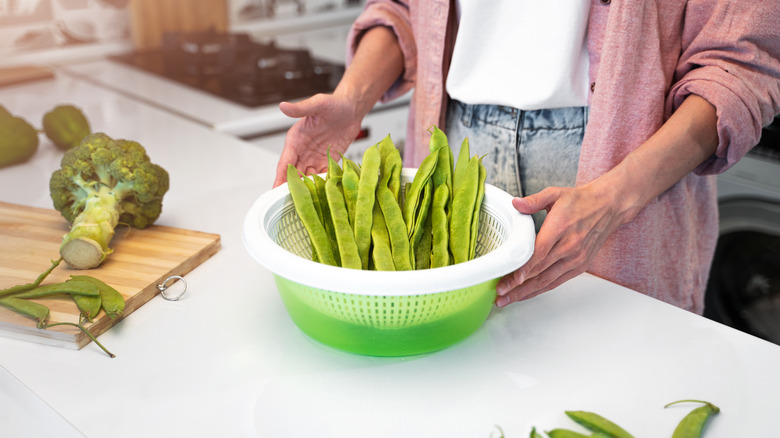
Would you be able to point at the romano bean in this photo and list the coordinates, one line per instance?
(112, 302)
(461, 165)
(333, 167)
(440, 253)
(73, 287)
(364, 204)
(462, 211)
(396, 228)
(314, 197)
(381, 254)
(304, 206)
(87, 305)
(597, 423)
(565, 433)
(423, 249)
(424, 208)
(350, 258)
(349, 183)
(477, 210)
(414, 193)
(692, 425)
(34, 310)
(326, 220)
(394, 167)
(27, 286)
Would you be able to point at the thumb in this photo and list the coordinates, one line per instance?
(537, 202)
(302, 108)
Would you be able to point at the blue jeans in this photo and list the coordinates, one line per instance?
(525, 151)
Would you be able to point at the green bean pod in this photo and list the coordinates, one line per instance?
(424, 208)
(73, 287)
(350, 179)
(314, 197)
(440, 253)
(350, 258)
(364, 204)
(333, 167)
(112, 302)
(474, 231)
(317, 206)
(461, 166)
(425, 245)
(27, 286)
(565, 433)
(597, 423)
(381, 255)
(535, 434)
(396, 228)
(462, 211)
(326, 220)
(88, 306)
(304, 206)
(414, 193)
(34, 310)
(692, 425)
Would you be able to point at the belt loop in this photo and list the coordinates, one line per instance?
(468, 114)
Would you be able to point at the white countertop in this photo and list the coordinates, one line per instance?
(226, 360)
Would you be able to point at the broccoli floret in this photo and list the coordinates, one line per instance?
(101, 183)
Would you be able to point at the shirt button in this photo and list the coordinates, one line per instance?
(592, 87)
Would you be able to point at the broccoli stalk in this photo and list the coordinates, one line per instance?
(103, 182)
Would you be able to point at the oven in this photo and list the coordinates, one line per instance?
(744, 286)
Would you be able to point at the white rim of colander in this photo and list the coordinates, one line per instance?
(509, 256)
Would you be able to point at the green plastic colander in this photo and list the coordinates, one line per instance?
(386, 313)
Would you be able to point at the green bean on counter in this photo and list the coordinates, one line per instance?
(90, 295)
(691, 426)
(365, 221)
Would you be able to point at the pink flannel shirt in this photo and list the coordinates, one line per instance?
(645, 58)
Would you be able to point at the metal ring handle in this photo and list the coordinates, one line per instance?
(164, 286)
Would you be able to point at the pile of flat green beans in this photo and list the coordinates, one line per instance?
(90, 294)
(358, 217)
(691, 426)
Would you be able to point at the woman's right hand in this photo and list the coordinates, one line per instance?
(325, 121)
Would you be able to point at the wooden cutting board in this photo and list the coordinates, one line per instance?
(142, 259)
(21, 74)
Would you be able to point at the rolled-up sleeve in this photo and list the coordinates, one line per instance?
(394, 15)
(731, 57)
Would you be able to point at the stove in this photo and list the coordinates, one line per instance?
(235, 67)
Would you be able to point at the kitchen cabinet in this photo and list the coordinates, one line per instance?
(226, 360)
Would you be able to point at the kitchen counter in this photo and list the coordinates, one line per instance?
(226, 360)
(326, 43)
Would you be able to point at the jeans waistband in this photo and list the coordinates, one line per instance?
(513, 118)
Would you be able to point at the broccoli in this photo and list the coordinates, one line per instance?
(103, 182)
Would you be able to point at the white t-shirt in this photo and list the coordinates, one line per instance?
(524, 54)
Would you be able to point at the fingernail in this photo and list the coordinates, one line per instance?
(502, 301)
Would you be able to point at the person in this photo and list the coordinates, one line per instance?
(677, 92)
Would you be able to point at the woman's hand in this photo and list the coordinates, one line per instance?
(326, 121)
(577, 224)
(333, 120)
(580, 219)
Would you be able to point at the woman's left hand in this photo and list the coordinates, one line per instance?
(577, 224)
(580, 219)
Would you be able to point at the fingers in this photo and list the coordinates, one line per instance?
(548, 280)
